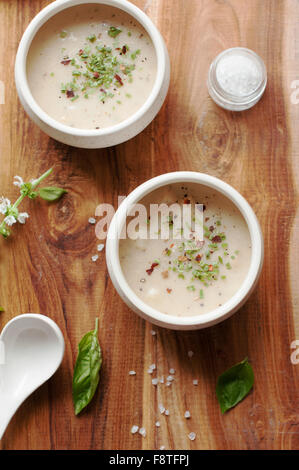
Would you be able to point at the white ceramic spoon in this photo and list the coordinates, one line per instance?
(31, 350)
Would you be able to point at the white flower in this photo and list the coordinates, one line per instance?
(22, 217)
(10, 220)
(4, 205)
(19, 181)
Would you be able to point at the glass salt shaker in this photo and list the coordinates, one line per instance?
(237, 79)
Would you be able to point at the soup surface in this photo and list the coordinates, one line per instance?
(91, 66)
(185, 275)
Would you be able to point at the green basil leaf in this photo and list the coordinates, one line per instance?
(234, 385)
(87, 368)
(51, 193)
(2, 309)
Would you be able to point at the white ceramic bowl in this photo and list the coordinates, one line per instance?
(92, 138)
(171, 321)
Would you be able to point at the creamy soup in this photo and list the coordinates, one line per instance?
(187, 275)
(91, 66)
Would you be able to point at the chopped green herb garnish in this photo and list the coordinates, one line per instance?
(135, 54)
(92, 38)
(201, 294)
(191, 288)
(228, 266)
(113, 32)
(63, 34)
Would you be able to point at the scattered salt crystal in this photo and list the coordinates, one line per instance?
(190, 353)
(153, 333)
(153, 366)
(142, 431)
(172, 371)
(161, 408)
(187, 414)
(157, 424)
(150, 371)
(162, 448)
(134, 429)
(101, 247)
(95, 258)
(155, 381)
(92, 220)
(195, 382)
(162, 379)
(132, 372)
(166, 412)
(192, 436)
(170, 378)
(168, 384)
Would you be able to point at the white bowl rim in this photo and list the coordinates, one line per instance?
(257, 247)
(48, 12)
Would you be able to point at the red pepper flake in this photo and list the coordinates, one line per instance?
(187, 201)
(124, 50)
(151, 269)
(70, 93)
(117, 77)
(172, 245)
(211, 267)
(217, 239)
(169, 290)
(198, 258)
(118, 49)
(80, 52)
(96, 74)
(66, 62)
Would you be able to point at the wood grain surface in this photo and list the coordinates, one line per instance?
(46, 267)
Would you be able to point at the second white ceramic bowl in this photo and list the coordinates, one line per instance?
(91, 138)
(172, 321)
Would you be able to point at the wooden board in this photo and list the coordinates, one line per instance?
(46, 265)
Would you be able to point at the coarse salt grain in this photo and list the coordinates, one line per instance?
(94, 258)
(153, 333)
(142, 431)
(170, 378)
(166, 412)
(132, 372)
(161, 408)
(195, 382)
(134, 429)
(172, 371)
(157, 424)
(152, 366)
(155, 381)
(168, 384)
(150, 371)
(238, 75)
(101, 247)
(190, 353)
(162, 379)
(192, 436)
(92, 220)
(162, 448)
(187, 414)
